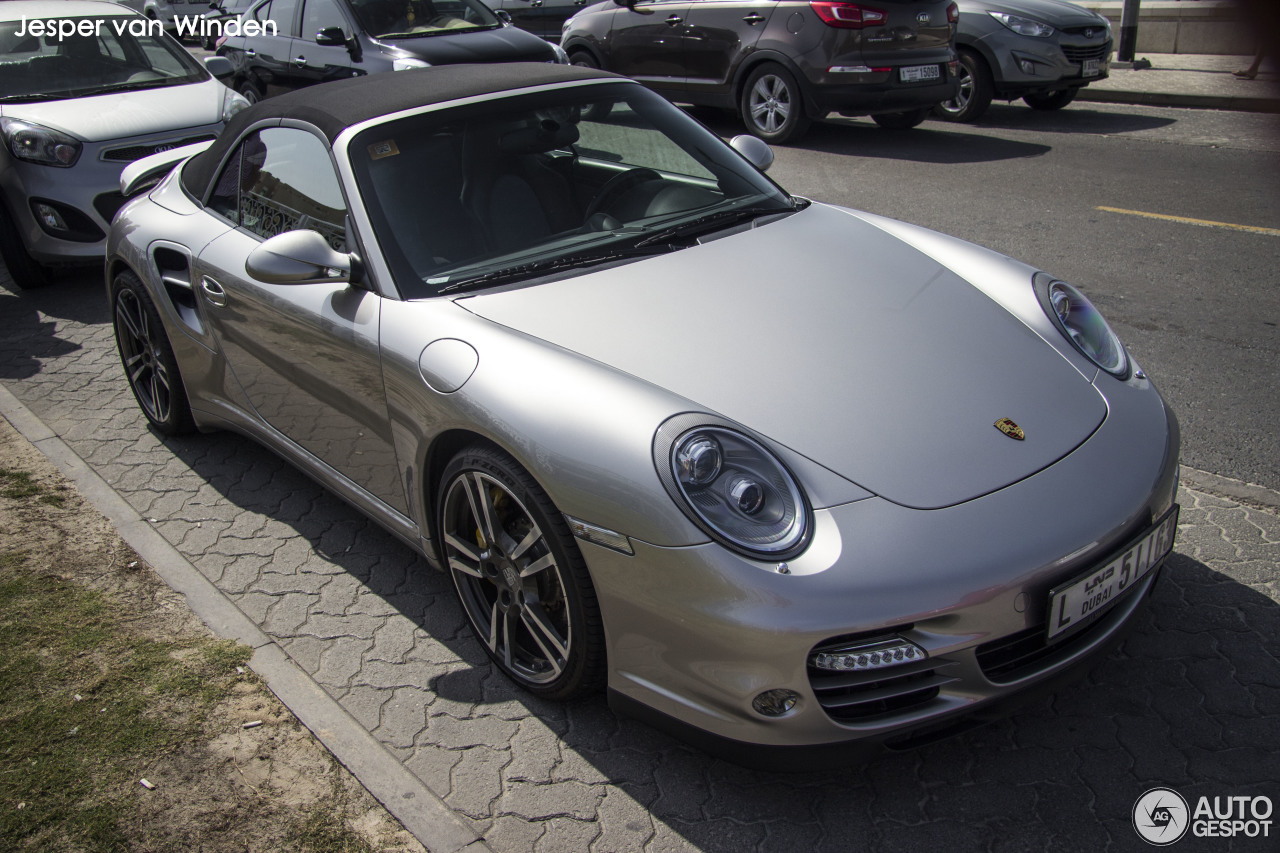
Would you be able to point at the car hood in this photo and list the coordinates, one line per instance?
(827, 335)
(504, 44)
(125, 114)
(1057, 13)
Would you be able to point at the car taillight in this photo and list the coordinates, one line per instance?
(953, 14)
(847, 16)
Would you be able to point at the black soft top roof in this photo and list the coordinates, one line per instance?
(333, 107)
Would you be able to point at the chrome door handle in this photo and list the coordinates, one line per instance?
(301, 62)
(250, 52)
(753, 18)
(672, 20)
(213, 292)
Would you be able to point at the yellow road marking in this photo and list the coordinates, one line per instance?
(1186, 220)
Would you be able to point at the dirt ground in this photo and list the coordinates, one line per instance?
(270, 787)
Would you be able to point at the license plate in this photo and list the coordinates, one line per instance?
(1077, 603)
(1092, 67)
(917, 73)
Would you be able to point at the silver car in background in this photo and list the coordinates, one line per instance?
(1043, 51)
(75, 109)
(789, 479)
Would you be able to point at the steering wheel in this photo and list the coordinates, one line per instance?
(618, 186)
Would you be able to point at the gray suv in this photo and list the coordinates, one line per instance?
(779, 63)
(1043, 51)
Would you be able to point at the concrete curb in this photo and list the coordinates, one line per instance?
(418, 808)
(1236, 103)
(1236, 490)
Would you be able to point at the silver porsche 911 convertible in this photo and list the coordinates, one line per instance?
(790, 480)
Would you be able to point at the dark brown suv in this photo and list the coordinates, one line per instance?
(779, 63)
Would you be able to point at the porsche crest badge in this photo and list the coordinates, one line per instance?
(1009, 428)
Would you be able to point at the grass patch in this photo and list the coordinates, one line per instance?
(325, 829)
(17, 485)
(87, 704)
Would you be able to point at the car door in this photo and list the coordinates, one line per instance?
(305, 355)
(267, 53)
(316, 63)
(540, 17)
(647, 43)
(718, 35)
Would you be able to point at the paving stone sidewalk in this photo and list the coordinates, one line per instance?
(1189, 702)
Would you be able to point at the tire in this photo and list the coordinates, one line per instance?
(976, 91)
(27, 273)
(772, 105)
(904, 120)
(519, 575)
(1052, 100)
(250, 92)
(147, 356)
(596, 112)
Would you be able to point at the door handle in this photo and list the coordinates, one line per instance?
(301, 62)
(250, 52)
(673, 19)
(536, 3)
(753, 18)
(579, 2)
(213, 292)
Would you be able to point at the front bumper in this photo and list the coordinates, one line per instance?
(695, 634)
(85, 196)
(1024, 65)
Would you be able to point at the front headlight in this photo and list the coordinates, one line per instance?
(232, 103)
(1023, 26)
(734, 488)
(38, 144)
(1082, 323)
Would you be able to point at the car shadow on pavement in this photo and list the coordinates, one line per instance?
(29, 319)
(1077, 118)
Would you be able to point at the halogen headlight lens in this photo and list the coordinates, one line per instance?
(1085, 327)
(1023, 26)
(739, 492)
(38, 144)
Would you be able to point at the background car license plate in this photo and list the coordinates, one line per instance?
(916, 73)
(1076, 603)
(1092, 68)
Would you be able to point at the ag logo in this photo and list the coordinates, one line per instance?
(1160, 816)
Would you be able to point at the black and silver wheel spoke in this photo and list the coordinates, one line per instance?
(507, 576)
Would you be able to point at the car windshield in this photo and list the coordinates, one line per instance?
(57, 58)
(517, 188)
(396, 19)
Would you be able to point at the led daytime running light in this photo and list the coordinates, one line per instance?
(868, 657)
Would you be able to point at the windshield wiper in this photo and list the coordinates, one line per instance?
(34, 96)
(542, 267)
(711, 221)
(131, 87)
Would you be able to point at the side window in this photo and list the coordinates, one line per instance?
(320, 15)
(281, 179)
(278, 13)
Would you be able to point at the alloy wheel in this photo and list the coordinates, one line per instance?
(141, 349)
(770, 103)
(508, 578)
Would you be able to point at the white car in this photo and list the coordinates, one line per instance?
(85, 89)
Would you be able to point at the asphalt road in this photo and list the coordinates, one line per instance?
(1197, 305)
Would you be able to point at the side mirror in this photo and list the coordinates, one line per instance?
(504, 16)
(331, 37)
(219, 66)
(298, 257)
(754, 149)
